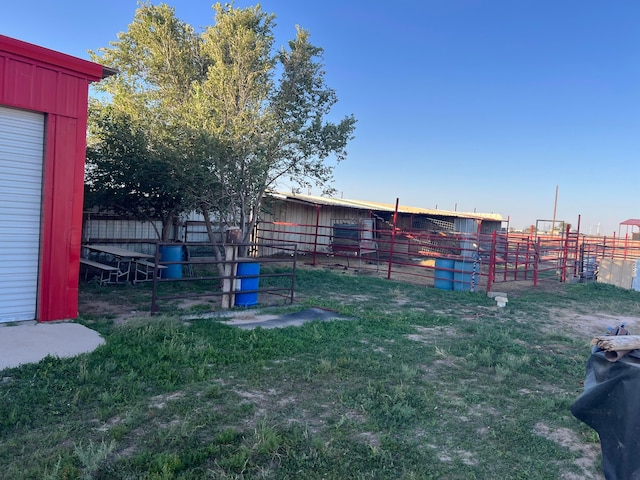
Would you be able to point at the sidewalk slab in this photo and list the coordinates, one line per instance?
(31, 342)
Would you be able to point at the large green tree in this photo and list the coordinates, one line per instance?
(136, 161)
(233, 115)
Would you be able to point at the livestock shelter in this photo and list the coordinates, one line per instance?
(43, 119)
(632, 222)
(312, 221)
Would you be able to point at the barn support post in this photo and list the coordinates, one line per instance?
(315, 237)
(393, 238)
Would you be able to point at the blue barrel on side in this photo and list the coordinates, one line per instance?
(251, 270)
(443, 274)
(465, 277)
(171, 253)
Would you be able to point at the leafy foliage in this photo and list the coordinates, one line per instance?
(209, 126)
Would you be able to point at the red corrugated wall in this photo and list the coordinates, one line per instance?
(42, 80)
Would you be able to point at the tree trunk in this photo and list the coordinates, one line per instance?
(212, 239)
(167, 224)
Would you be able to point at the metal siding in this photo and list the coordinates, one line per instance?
(67, 95)
(62, 225)
(21, 161)
(45, 89)
(44, 56)
(42, 85)
(39, 79)
(17, 88)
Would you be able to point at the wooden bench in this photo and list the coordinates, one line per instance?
(108, 273)
(145, 269)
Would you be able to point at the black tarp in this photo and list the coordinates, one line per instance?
(610, 404)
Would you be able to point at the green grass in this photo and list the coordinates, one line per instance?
(421, 384)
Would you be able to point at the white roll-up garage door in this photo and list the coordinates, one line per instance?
(21, 165)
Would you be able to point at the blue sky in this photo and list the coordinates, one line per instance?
(461, 104)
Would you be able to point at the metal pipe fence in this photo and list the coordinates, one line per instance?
(453, 260)
(432, 256)
(214, 270)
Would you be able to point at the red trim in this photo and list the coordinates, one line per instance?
(632, 221)
(90, 70)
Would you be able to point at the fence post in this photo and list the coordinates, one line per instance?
(230, 269)
(536, 260)
(156, 274)
(565, 254)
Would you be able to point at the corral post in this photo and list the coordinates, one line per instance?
(536, 259)
(492, 261)
(393, 238)
(613, 248)
(565, 255)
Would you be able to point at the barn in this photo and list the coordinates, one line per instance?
(43, 117)
(311, 221)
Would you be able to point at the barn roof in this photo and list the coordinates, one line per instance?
(382, 207)
(90, 70)
(632, 221)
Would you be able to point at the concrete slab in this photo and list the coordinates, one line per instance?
(31, 342)
(250, 319)
(288, 320)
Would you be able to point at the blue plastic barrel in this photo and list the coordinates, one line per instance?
(251, 270)
(444, 274)
(465, 277)
(171, 253)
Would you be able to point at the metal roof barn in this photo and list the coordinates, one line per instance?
(43, 118)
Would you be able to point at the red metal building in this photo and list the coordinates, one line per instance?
(43, 117)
